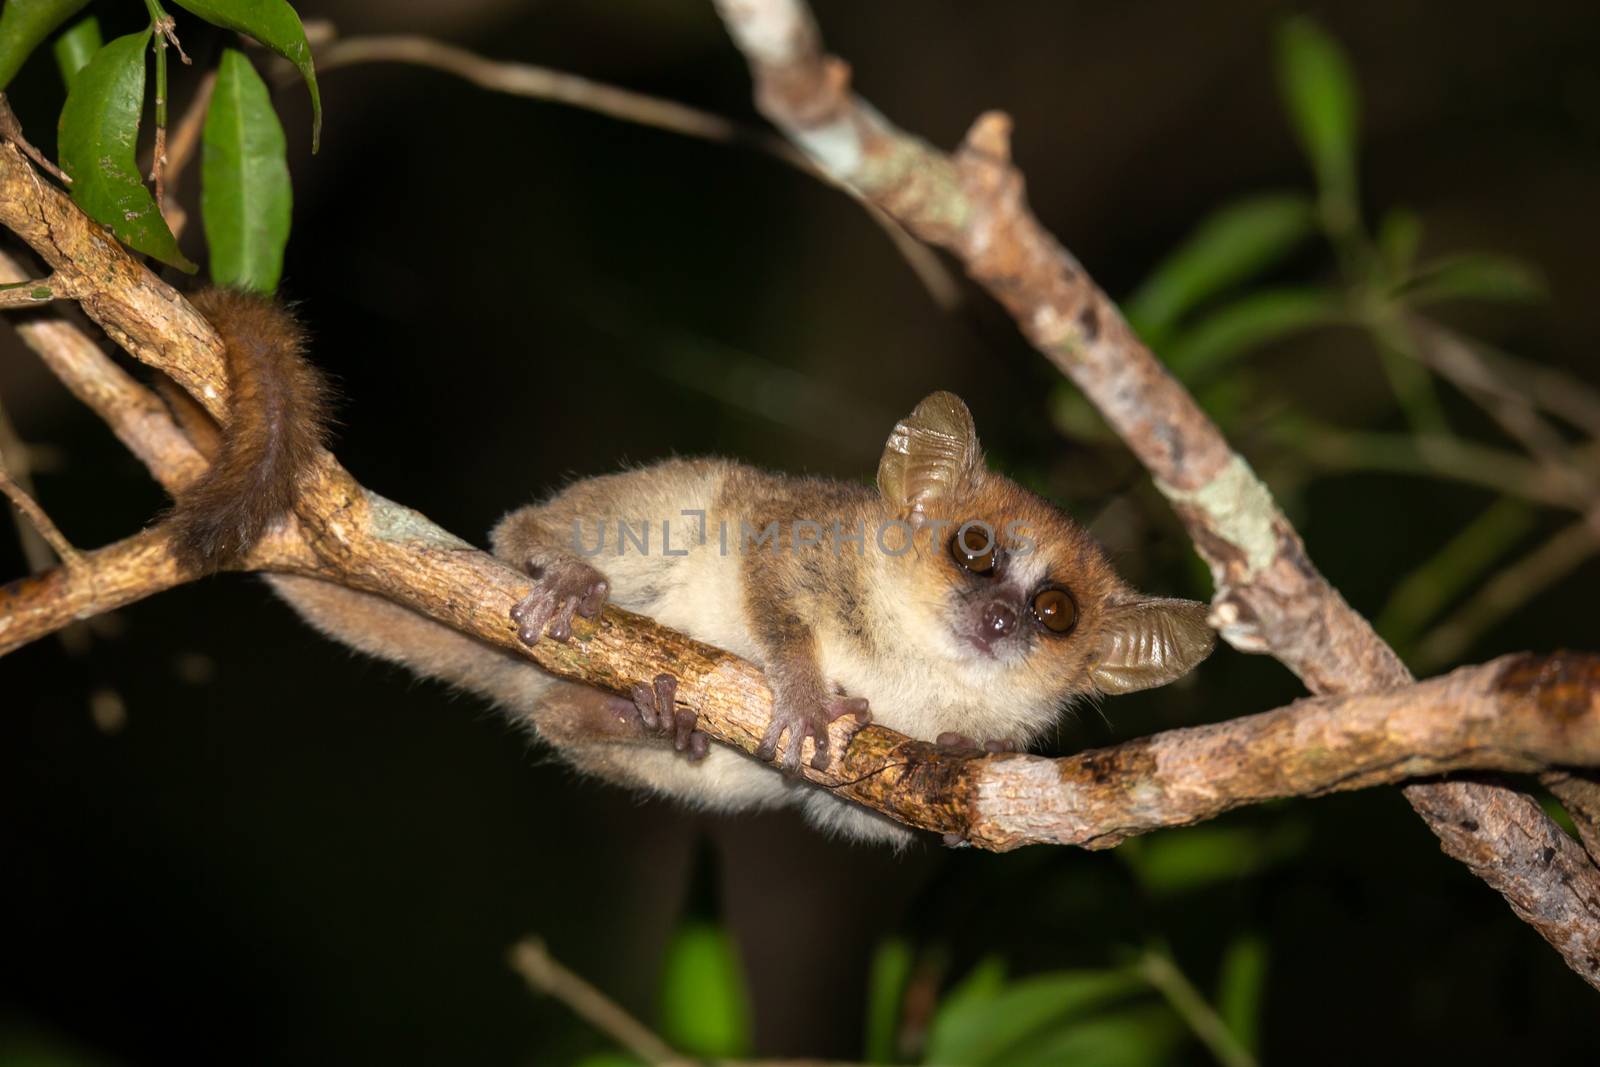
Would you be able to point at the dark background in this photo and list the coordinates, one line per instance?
(281, 853)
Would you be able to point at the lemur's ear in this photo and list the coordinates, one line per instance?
(932, 455)
(1150, 642)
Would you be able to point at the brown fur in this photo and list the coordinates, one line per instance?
(277, 424)
(896, 629)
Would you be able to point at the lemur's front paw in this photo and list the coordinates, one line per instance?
(961, 744)
(660, 714)
(801, 719)
(563, 587)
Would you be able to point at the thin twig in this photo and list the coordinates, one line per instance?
(530, 959)
(1202, 1019)
(1476, 365)
(11, 130)
(543, 83)
(33, 292)
(163, 30)
(1423, 594)
(135, 415)
(41, 521)
(185, 137)
(1507, 591)
(1457, 359)
(13, 451)
(1444, 457)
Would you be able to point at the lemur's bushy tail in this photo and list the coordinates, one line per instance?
(277, 423)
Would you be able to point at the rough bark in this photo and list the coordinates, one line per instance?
(1269, 597)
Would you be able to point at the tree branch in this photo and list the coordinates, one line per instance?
(347, 534)
(1579, 794)
(1520, 713)
(543, 974)
(1269, 597)
(343, 533)
(29, 508)
(32, 293)
(624, 105)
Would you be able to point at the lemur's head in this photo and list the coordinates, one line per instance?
(999, 581)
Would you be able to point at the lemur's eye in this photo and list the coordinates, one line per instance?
(1055, 609)
(974, 548)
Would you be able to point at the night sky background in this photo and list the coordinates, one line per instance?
(281, 853)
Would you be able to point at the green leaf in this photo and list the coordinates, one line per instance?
(886, 986)
(1248, 323)
(1241, 987)
(1399, 235)
(25, 23)
(1233, 244)
(981, 985)
(1136, 1037)
(244, 180)
(1189, 859)
(1228, 398)
(1474, 276)
(1319, 92)
(704, 1011)
(99, 131)
(1558, 814)
(1459, 564)
(275, 24)
(76, 47)
(976, 1029)
(610, 1059)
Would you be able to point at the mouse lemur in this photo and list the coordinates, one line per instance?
(947, 602)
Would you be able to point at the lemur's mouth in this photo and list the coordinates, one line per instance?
(982, 644)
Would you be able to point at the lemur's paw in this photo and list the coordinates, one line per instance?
(562, 588)
(962, 745)
(660, 714)
(803, 719)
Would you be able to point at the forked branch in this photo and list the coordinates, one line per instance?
(1269, 597)
(345, 534)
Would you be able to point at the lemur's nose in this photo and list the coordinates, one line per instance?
(999, 619)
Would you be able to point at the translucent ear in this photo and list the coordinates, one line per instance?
(932, 455)
(1150, 642)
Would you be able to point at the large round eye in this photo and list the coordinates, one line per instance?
(1055, 609)
(973, 546)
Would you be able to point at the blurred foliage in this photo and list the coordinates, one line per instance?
(75, 47)
(1221, 299)
(1196, 857)
(704, 1008)
(26, 23)
(1113, 1016)
(1271, 267)
(886, 989)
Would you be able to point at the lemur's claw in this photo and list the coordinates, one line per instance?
(962, 745)
(801, 721)
(563, 588)
(661, 715)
